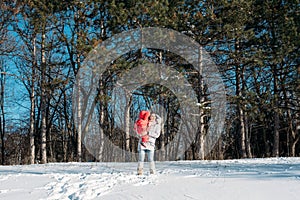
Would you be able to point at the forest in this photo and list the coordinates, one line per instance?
(254, 44)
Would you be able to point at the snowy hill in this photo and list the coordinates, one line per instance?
(273, 178)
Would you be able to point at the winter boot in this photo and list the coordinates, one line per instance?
(140, 168)
(152, 168)
(140, 171)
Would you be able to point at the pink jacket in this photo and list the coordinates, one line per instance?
(141, 125)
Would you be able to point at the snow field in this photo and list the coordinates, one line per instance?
(271, 178)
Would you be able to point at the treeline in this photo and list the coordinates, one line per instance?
(254, 43)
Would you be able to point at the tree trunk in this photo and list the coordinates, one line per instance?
(240, 104)
(79, 125)
(163, 147)
(294, 133)
(2, 117)
(240, 112)
(127, 127)
(101, 122)
(291, 132)
(43, 103)
(276, 118)
(293, 146)
(276, 134)
(32, 106)
(163, 155)
(248, 142)
(202, 113)
(50, 142)
(79, 130)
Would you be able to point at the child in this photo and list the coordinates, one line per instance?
(141, 126)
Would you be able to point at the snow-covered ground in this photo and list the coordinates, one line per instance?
(253, 179)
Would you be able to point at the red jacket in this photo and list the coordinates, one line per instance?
(141, 124)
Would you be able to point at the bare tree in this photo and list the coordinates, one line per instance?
(32, 105)
(2, 111)
(43, 101)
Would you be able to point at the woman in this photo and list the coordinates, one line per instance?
(154, 129)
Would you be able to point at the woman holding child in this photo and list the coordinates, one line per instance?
(148, 136)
